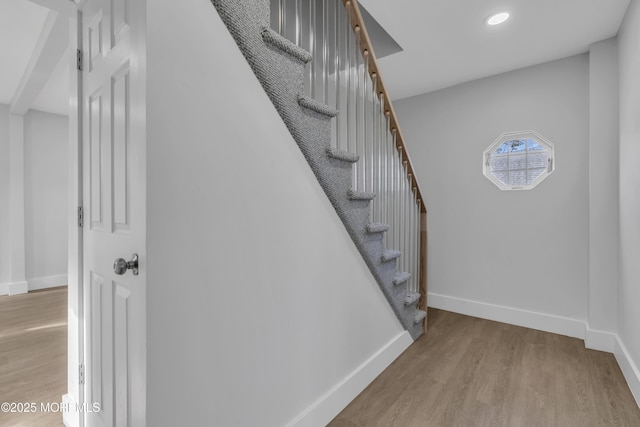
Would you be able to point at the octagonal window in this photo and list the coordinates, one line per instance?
(518, 160)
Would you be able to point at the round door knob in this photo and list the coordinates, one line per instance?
(121, 265)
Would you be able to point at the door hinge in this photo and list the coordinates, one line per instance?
(79, 59)
(80, 217)
(81, 373)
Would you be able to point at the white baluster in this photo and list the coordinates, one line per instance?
(414, 237)
(406, 222)
(348, 71)
(374, 148)
(366, 134)
(357, 134)
(416, 241)
(337, 14)
(392, 196)
(381, 160)
(312, 47)
(401, 223)
(281, 17)
(325, 53)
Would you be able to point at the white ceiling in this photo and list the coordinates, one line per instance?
(21, 23)
(445, 42)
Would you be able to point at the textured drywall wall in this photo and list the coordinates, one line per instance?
(526, 250)
(629, 290)
(258, 301)
(603, 185)
(5, 240)
(46, 194)
(45, 198)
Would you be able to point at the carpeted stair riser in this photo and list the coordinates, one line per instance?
(377, 228)
(401, 278)
(412, 298)
(343, 155)
(282, 76)
(390, 255)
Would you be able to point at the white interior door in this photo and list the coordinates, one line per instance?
(114, 197)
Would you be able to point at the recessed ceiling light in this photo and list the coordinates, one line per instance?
(497, 18)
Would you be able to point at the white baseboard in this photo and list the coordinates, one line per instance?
(513, 316)
(4, 289)
(47, 282)
(600, 340)
(17, 288)
(322, 411)
(33, 284)
(593, 339)
(628, 368)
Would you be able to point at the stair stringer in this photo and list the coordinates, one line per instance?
(281, 74)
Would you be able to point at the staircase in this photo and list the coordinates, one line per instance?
(279, 64)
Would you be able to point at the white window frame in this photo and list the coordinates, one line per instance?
(508, 136)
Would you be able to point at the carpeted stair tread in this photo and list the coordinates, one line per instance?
(419, 317)
(360, 195)
(316, 106)
(376, 227)
(274, 39)
(411, 298)
(390, 255)
(401, 278)
(342, 155)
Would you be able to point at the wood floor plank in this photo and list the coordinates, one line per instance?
(33, 355)
(472, 372)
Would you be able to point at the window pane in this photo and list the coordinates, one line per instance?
(533, 145)
(517, 145)
(517, 161)
(504, 148)
(502, 176)
(499, 163)
(538, 160)
(518, 178)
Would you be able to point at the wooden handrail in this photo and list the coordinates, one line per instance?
(357, 25)
(366, 49)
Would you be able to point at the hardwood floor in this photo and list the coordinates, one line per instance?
(33, 354)
(471, 372)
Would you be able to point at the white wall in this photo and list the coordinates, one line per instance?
(259, 304)
(526, 251)
(603, 189)
(46, 194)
(629, 290)
(5, 241)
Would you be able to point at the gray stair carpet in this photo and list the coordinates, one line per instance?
(279, 66)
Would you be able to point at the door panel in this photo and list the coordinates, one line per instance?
(120, 19)
(115, 195)
(94, 378)
(95, 165)
(121, 161)
(121, 358)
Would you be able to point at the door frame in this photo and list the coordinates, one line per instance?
(74, 397)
